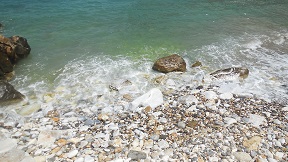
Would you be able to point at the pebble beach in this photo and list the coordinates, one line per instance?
(184, 123)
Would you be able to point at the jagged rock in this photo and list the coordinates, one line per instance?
(231, 73)
(170, 63)
(8, 94)
(5, 65)
(11, 50)
(153, 98)
(14, 47)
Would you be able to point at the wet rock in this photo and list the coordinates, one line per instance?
(196, 64)
(153, 98)
(136, 155)
(170, 63)
(231, 73)
(15, 47)
(8, 94)
(29, 109)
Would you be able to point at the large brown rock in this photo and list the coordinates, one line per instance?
(15, 47)
(170, 63)
(8, 94)
(11, 50)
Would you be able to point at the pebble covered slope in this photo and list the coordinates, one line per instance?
(192, 124)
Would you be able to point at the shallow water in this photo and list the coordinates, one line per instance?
(83, 46)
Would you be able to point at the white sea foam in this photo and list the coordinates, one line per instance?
(84, 83)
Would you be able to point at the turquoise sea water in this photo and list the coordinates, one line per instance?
(86, 44)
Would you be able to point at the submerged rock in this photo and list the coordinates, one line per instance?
(231, 73)
(196, 64)
(170, 63)
(8, 94)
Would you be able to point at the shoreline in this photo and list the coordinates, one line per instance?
(192, 124)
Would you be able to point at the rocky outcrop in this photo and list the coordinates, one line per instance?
(170, 63)
(8, 94)
(12, 49)
(231, 73)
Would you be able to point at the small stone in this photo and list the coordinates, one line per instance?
(256, 120)
(271, 160)
(148, 143)
(252, 143)
(163, 144)
(136, 155)
(276, 121)
(40, 159)
(88, 158)
(155, 137)
(163, 120)
(61, 142)
(279, 155)
(192, 124)
(72, 153)
(103, 117)
(181, 124)
(81, 159)
(147, 109)
(228, 121)
(242, 156)
(196, 64)
(226, 96)
(285, 108)
(210, 95)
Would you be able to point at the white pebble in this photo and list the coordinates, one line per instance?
(81, 159)
(277, 122)
(272, 160)
(279, 155)
(72, 153)
(163, 144)
(88, 159)
(181, 124)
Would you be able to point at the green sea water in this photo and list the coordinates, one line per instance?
(93, 41)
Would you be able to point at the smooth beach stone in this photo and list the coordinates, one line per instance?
(188, 100)
(136, 155)
(210, 95)
(256, 120)
(242, 156)
(163, 144)
(48, 137)
(7, 145)
(170, 63)
(228, 121)
(226, 96)
(72, 153)
(29, 109)
(253, 143)
(153, 98)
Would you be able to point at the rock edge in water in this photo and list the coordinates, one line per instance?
(12, 49)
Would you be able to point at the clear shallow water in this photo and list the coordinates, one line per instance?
(84, 46)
